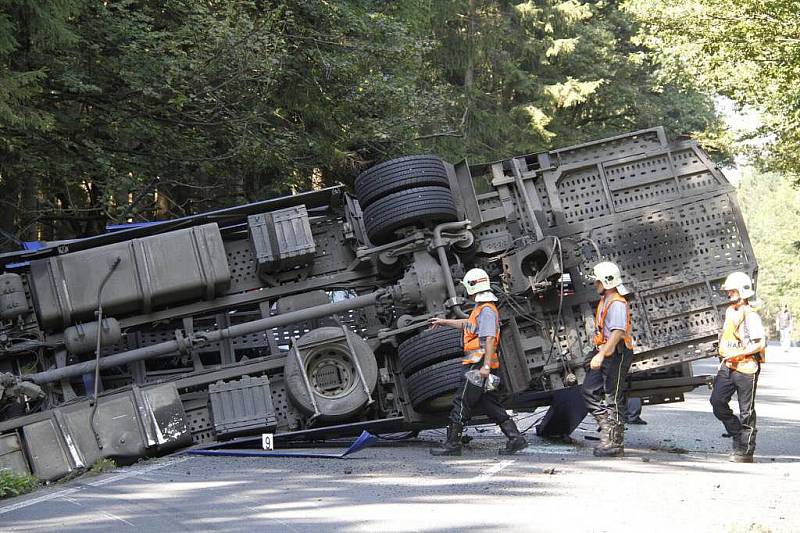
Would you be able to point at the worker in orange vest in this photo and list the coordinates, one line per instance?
(481, 341)
(604, 383)
(741, 351)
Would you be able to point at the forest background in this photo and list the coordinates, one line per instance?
(120, 111)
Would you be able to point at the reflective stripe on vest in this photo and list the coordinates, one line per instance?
(473, 352)
(731, 342)
(600, 320)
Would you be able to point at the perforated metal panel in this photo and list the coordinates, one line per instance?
(663, 212)
(582, 195)
(613, 148)
(697, 238)
(243, 266)
(544, 198)
(199, 420)
(286, 415)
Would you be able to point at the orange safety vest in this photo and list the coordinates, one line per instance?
(730, 341)
(600, 320)
(473, 351)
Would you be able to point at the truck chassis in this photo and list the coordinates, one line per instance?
(306, 315)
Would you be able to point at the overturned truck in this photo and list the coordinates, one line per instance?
(306, 316)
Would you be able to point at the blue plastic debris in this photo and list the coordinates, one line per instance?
(365, 439)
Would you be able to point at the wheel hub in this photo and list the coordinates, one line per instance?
(331, 372)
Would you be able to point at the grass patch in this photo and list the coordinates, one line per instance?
(102, 465)
(13, 484)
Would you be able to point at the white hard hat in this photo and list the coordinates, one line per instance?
(609, 275)
(741, 282)
(476, 280)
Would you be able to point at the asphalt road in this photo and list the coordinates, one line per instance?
(674, 477)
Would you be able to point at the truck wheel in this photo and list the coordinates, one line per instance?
(332, 375)
(430, 347)
(420, 206)
(398, 175)
(431, 389)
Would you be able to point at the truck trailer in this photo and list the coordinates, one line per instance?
(306, 316)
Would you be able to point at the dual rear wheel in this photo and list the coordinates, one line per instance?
(431, 364)
(407, 192)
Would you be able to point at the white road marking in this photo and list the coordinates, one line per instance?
(71, 500)
(99, 483)
(34, 501)
(115, 517)
(489, 472)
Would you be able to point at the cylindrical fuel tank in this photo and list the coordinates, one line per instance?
(82, 338)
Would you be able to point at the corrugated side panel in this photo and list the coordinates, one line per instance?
(242, 405)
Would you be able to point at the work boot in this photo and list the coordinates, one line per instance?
(516, 441)
(611, 441)
(451, 446)
(603, 427)
(740, 453)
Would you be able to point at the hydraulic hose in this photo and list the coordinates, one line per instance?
(114, 266)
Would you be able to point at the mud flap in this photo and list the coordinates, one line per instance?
(565, 413)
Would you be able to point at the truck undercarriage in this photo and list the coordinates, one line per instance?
(307, 315)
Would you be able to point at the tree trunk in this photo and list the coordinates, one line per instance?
(28, 230)
(9, 192)
(469, 75)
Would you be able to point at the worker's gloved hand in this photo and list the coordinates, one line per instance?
(597, 361)
(485, 371)
(436, 322)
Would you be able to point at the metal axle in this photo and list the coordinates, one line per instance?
(181, 343)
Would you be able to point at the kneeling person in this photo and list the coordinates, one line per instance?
(481, 340)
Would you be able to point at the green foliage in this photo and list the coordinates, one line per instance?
(137, 110)
(14, 484)
(745, 49)
(771, 208)
(209, 103)
(541, 74)
(28, 29)
(102, 465)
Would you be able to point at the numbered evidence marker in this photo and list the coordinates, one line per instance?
(267, 441)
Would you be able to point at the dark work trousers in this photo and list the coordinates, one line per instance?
(603, 388)
(633, 409)
(726, 383)
(470, 397)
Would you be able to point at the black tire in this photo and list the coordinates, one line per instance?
(430, 389)
(327, 342)
(399, 175)
(428, 348)
(420, 206)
